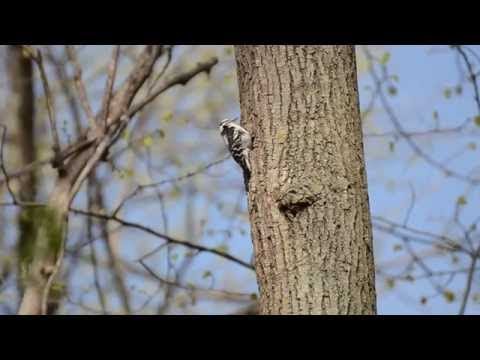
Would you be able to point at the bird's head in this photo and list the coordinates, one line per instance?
(224, 122)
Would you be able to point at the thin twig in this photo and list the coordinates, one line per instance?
(2, 165)
(449, 243)
(63, 155)
(140, 188)
(165, 237)
(80, 86)
(186, 176)
(180, 79)
(473, 76)
(114, 263)
(468, 286)
(160, 74)
(93, 255)
(59, 67)
(36, 55)
(431, 132)
(424, 276)
(191, 288)
(412, 204)
(112, 72)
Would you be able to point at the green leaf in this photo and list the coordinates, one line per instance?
(390, 283)
(391, 146)
(449, 296)
(477, 120)
(384, 59)
(394, 78)
(461, 200)
(222, 248)
(191, 286)
(125, 135)
(458, 89)
(125, 173)
(175, 193)
(253, 296)
(447, 93)
(148, 141)
(476, 297)
(168, 116)
(206, 274)
(392, 90)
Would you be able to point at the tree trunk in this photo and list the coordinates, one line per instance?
(20, 73)
(308, 198)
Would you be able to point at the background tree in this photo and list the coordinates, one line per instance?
(22, 110)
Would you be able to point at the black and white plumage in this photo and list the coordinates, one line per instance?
(239, 143)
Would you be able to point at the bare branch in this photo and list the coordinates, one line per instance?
(36, 55)
(468, 286)
(160, 74)
(140, 188)
(430, 132)
(169, 239)
(2, 165)
(473, 76)
(440, 241)
(93, 255)
(112, 72)
(79, 85)
(63, 155)
(180, 79)
(242, 296)
(412, 204)
(59, 67)
(15, 201)
(114, 263)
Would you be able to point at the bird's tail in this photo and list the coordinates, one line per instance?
(246, 179)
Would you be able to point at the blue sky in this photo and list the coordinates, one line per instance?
(424, 72)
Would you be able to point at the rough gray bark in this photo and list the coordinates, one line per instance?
(308, 199)
(21, 108)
